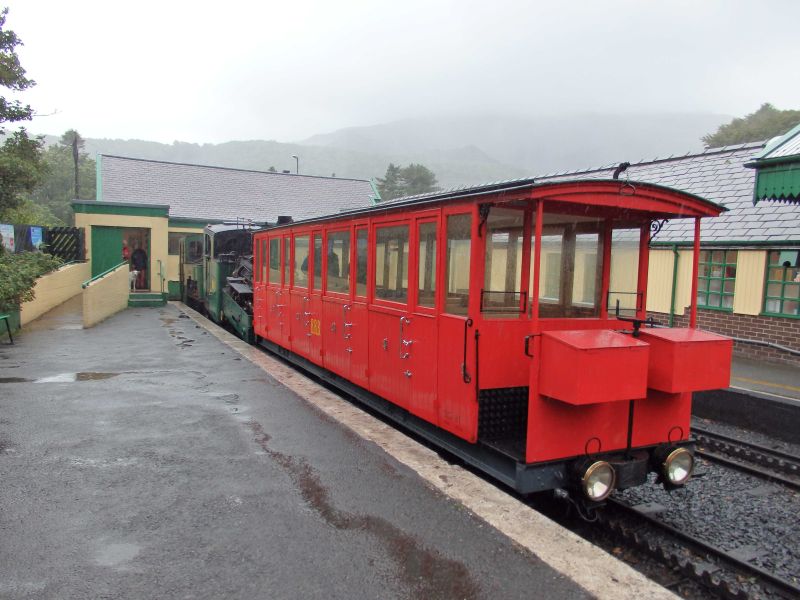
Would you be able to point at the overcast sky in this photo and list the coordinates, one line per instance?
(201, 71)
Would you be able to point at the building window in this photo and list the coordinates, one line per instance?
(174, 243)
(716, 279)
(782, 296)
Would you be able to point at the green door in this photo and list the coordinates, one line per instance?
(106, 248)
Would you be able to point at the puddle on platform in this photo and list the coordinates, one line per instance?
(73, 377)
(14, 380)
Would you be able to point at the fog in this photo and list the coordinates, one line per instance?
(212, 72)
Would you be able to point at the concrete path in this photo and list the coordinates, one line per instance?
(145, 458)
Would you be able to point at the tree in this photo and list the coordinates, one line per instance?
(74, 140)
(406, 181)
(390, 187)
(20, 156)
(418, 179)
(28, 212)
(56, 188)
(765, 123)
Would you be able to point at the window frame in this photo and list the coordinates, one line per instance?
(299, 234)
(783, 283)
(709, 278)
(394, 221)
(326, 233)
(414, 265)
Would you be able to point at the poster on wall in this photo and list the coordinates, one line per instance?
(7, 236)
(36, 237)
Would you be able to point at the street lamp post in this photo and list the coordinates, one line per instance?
(296, 163)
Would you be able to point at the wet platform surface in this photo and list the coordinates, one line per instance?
(143, 458)
(765, 378)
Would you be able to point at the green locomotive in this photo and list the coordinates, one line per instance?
(216, 270)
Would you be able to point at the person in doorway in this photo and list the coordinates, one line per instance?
(139, 263)
(126, 252)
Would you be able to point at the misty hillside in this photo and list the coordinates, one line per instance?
(536, 145)
(460, 151)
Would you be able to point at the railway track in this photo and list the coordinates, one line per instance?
(724, 573)
(754, 459)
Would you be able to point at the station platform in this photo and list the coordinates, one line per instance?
(157, 456)
(781, 381)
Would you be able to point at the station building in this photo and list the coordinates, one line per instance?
(150, 205)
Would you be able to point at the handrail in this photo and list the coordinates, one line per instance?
(86, 283)
(161, 273)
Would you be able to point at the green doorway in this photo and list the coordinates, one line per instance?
(106, 248)
(114, 245)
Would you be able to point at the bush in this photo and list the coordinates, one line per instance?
(18, 275)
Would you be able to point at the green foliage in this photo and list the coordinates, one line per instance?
(765, 123)
(30, 213)
(21, 167)
(12, 76)
(20, 164)
(57, 187)
(20, 272)
(406, 181)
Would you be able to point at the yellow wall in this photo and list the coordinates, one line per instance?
(106, 296)
(53, 289)
(173, 267)
(158, 237)
(748, 295)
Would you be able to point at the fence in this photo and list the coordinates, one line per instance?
(66, 242)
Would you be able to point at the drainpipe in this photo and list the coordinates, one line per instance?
(675, 259)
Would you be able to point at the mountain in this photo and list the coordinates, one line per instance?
(453, 167)
(535, 145)
(460, 150)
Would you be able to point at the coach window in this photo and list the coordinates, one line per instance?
(361, 261)
(391, 263)
(457, 264)
(263, 263)
(502, 294)
(426, 278)
(623, 284)
(301, 261)
(570, 268)
(316, 261)
(275, 260)
(338, 259)
(287, 249)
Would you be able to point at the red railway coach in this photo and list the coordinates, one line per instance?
(506, 323)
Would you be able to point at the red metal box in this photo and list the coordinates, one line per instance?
(592, 366)
(687, 360)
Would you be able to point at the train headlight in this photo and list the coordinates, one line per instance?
(678, 466)
(598, 481)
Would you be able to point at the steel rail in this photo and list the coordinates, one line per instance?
(750, 458)
(749, 469)
(732, 562)
(745, 444)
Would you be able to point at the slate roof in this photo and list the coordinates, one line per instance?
(219, 193)
(787, 145)
(718, 175)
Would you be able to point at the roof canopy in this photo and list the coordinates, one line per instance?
(595, 197)
(778, 169)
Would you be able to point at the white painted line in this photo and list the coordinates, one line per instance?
(594, 570)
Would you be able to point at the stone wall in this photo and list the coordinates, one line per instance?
(54, 289)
